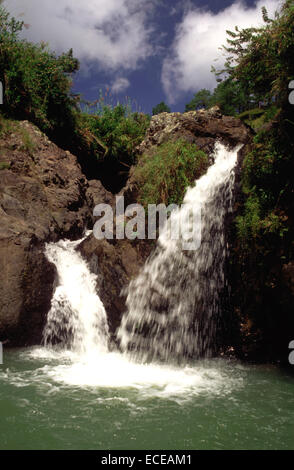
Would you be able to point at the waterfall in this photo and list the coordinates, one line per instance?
(76, 343)
(173, 306)
(77, 319)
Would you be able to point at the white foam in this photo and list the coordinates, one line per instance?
(117, 371)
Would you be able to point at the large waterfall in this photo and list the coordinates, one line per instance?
(172, 312)
(173, 305)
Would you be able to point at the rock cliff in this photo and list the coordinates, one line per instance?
(43, 197)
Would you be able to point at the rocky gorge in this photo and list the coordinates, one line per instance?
(44, 197)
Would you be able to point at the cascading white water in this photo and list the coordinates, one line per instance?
(76, 342)
(77, 319)
(173, 305)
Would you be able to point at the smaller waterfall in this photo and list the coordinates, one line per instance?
(173, 306)
(77, 319)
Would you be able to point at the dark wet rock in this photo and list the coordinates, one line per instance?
(116, 263)
(43, 197)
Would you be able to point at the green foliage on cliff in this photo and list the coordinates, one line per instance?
(37, 85)
(161, 108)
(260, 60)
(164, 174)
(4, 166)
(259, 63)
(202, 99)
(266, 181)
(264, 225)
(37, 82)
(264, 66)
(258, 68)
(120, 130)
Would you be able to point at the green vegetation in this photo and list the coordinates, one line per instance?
(265, 65)
(228, 95)
(28, 145)
(118, 129)
(161, 108)
(258, 68)
(4, 166)
(37, 88)
(264, 226)
(202, 99)
(164, 175)
(6, 125)
(37, 82)
(260, 60)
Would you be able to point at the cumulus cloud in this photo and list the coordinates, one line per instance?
(113, 33)
(120, 84)
(187, 68)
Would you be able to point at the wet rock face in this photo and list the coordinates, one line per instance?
(43, 197)
(116, 263)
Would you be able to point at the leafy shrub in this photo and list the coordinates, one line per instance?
(37, 81)
(267, 187)
(28, 145)
(6, 125)
(118, 130)
(161, 108)
(202, 99)
(4, 166)
(165, 173)
(251, 113)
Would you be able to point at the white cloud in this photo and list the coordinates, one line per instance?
(196, 46)
(112, 33)
(119, 85)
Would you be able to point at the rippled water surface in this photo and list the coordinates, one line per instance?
(53, 400)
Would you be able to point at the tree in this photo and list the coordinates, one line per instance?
(202, 99)
(161, 108)
(260, 59)
(230, 97)
(37, 81)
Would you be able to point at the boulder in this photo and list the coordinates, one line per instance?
(202, 128)
(116, 263)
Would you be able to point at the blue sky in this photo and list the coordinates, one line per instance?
(148, 50)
